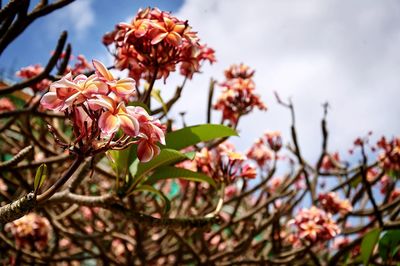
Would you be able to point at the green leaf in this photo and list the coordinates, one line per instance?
(167, 203)
(167, 172)
(189, 136)
(166, 157)
(156, 94)
(123, 159)
(368, 243)
(41, 175)
(354, 183)
(389, 244)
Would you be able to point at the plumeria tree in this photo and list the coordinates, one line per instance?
(93, 173)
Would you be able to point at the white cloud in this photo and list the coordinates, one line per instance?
(311, 51)
(78, 16)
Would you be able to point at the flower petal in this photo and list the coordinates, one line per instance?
(174, 38)
(144, 151)
(125, 86)
(102, 70)
(129, 125)
(108, 123)
(101, 101)
(158, 38)
(50, 101)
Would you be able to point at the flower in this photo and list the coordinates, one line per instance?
(32, 71)
(121, 87)
(330, 202)
(6, 105)
(150, 132)
(274, 140)
(313, 225)
(115, 116)
(72, 91)
(237, 97)
(262, 151)
(389, 158)
(330, 162)
(239, 71)
(96, 105)
(30, 229)
(154, 43)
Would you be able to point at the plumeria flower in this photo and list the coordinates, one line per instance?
(156, 41)
(169, 30)
(313, 225)
(115, 116)
(151, 133)
(96, 107)
(309, 230)
(72, 91)
(121, 87)
(238, 97)
(32, 71)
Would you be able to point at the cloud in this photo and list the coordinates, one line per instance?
(312, 51)
(78, 16)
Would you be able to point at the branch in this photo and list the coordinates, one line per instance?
(17, 158)
(49, 67)
(24, 20)
(60, 182)
(17, 209)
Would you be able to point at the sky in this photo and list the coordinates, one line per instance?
(312, 51)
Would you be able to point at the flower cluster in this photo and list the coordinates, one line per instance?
(237, 97)
(331, 203)
(275, 183)
(154, 43)
(81, 66)
(313, 225)
(6, 105)
(32, 71)
(97, 107)
(330, 162)
(222, 163)
(262, 151)
(30, 229)
(390, 157)
(395, 194)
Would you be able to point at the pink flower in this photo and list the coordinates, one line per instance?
(309, 230)
(121, 87)
(274, 184)
(260, 153)
(96, 107)
(239, 71)
(313, 225)
(115, 116)
(238, 97)
(330, 162)
(150, 132)
(169, 30)
(274, 140)
(32, 71)
(72, 91)
(6, 105)
(330, 202)
(156, 41)
(389, 158)
(29, 230)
